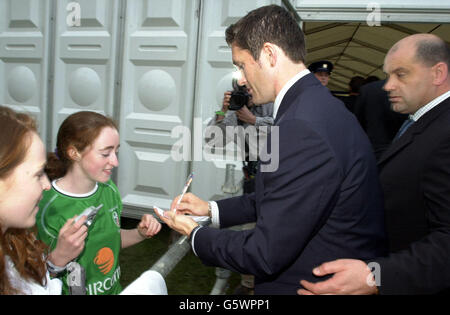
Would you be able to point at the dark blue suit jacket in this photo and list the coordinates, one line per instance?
(322, 203)
(415, 178)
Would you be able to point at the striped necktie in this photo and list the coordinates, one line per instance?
(406, 124)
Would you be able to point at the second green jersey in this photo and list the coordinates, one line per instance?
(100, 257)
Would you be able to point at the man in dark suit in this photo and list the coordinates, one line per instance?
(415, 176)
(323, 200)
(374, 113)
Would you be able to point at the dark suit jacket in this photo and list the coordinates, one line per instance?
(379, 121)
(322, 203)
(415, 176)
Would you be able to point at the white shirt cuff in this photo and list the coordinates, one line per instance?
(192, 242)
(215, 222)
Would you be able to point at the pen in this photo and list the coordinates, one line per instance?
(186, 186)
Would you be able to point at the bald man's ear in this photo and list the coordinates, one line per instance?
(441, 74)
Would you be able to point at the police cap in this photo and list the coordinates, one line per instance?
(318, 66)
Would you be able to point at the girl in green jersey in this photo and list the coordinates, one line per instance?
(80, 171)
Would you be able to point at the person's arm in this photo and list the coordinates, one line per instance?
(264, 121)
(350, 276)
(215, 132)
(64, 238)
(298, 197)
(148, 227)
(245, 115)
(70, 242)
(422, 268)
(223, 117)
(220, 115)
(264, 115)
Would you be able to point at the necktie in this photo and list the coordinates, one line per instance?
(406, 124)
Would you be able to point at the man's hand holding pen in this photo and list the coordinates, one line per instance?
(184, 204)
(190, 204)
(178, 221)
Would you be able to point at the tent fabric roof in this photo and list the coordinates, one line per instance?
(357, 48)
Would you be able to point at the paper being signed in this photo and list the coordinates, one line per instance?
(194, 217)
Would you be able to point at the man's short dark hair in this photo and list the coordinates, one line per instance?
(268, 24)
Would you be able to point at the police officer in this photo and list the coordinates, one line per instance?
(322, 70)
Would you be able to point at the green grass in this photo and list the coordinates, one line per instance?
(189, 277)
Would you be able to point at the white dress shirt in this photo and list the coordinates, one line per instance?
(286, 87)
(424, 109)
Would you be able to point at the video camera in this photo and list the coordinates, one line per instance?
(239, 96)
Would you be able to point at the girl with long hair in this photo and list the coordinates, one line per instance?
(80, 169)
(23, 258)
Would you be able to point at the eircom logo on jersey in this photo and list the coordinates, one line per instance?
(104, 260)
(101, 287)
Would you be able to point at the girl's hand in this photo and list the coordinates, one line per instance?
(70, 242)
(149, 226)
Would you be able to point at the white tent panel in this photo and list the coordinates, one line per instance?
(24, 38)
(158, 81)
(84, 59)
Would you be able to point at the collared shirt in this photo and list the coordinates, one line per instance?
(286, 87)
(423, 110)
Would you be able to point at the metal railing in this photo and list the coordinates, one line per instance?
(167, 262)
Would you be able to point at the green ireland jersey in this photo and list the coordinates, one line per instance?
(100, 257)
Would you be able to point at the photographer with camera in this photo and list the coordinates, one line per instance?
(238, 109)
(242, 109)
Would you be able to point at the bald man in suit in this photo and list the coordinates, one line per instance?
(415, 177)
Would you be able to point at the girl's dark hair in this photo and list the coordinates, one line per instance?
(20, 245)
(268, 24)
(79, 130)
